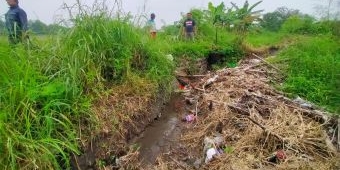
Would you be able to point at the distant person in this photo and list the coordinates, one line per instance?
(151, 25)
(16, 22)
(189, 27)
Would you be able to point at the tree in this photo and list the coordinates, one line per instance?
(216, 15)
(55, 28)
(243, 17)
(37, 27)
(302, 24)
(273, 21)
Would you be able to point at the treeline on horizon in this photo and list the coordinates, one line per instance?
(37, 27)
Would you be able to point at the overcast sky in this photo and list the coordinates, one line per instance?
(167, 10)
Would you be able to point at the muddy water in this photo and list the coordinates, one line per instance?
(162, 133)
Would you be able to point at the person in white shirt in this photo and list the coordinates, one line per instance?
(151, 25)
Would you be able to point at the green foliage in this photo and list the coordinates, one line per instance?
(99, 47)
(37, 27)
(244, 17)
(312, 68)
(327, 27)
(301, 24)
(45, 90)
(305, 24)
(216, 13)
(228, 149)
(198, 49)
(267, 38)
(232, 53)
(36, 113)
(273, 21)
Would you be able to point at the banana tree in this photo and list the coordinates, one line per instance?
(217, 14)
(243, 17)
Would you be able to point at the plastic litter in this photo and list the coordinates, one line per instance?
(211, 146)
(303, 103)
(190, 118)
(211, 141)
(210, 154)
(277, 157)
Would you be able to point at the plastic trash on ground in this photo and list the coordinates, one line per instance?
(277, 157)
(211, 147)
(210, 154)
(189, 118)
(303, 103)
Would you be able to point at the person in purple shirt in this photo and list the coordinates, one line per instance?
(16, 22)
(189, 27)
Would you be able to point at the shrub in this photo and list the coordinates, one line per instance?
(299, 24)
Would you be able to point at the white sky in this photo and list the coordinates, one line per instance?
(166, 10)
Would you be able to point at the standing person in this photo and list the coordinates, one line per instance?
(189, 27)
(16, 22)
(151, 25)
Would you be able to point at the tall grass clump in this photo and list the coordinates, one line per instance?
(313, 70)
(36, 129)
(104, 48)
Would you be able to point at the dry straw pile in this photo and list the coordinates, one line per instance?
(255, 121)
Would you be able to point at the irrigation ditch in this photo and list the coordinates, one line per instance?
(231, 118)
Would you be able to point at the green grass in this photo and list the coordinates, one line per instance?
(47, 88)
(35, 111)
(266, 38)
(312, 67)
